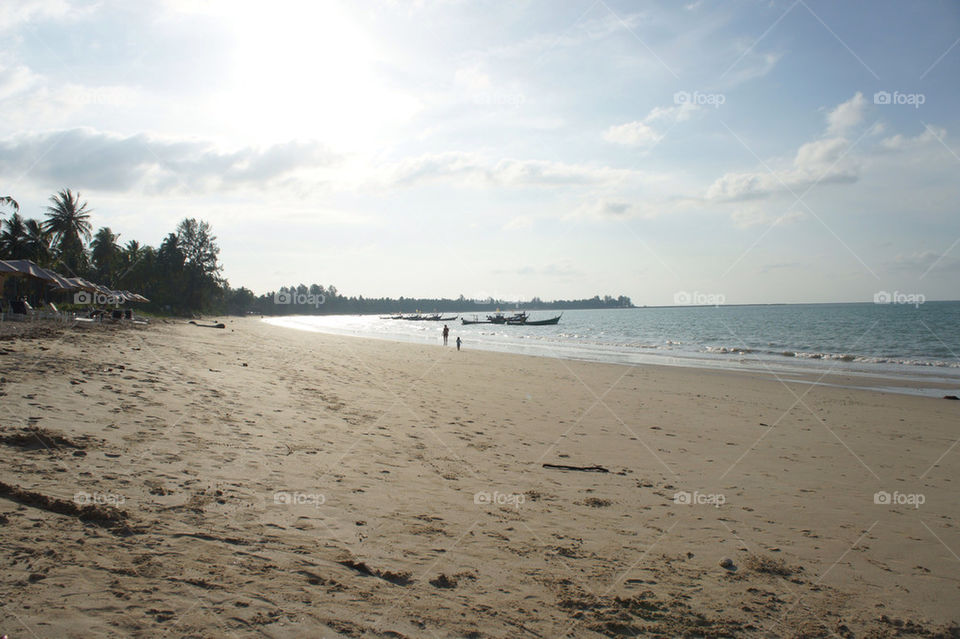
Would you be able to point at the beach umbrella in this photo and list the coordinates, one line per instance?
(58, 282)
(5, 271)
(81, 284)
(29, 269)
(26, 268)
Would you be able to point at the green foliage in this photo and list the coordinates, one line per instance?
(105, 255)
(68, 220)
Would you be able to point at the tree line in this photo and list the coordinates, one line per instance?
(317, 300)
(183, 275)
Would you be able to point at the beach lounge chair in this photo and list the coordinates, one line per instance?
(20, 310)
(50, 311)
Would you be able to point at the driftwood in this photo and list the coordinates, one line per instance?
(208, 325)
(585, 469)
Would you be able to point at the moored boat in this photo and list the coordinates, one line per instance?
(546, 322)
(500, 318)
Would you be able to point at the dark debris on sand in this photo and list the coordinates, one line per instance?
(36, 438)
(114, 519)
(646, 615)
(398, 578)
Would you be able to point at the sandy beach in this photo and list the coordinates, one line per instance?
(177, 481)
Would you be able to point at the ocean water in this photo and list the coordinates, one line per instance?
(897, 341)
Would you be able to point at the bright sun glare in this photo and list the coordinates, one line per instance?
(306, 69)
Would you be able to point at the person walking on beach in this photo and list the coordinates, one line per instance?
(446, 334)
(458, 343)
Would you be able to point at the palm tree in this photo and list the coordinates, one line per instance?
(132, 251)
(38, 242)
(69, 222)
(105, 253)
(13, 238)
(6, 199)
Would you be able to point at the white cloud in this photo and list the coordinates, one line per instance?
(470, 169)
(604, 208)
(640, 133)
(752, 66)
(846, 115)
(631, 134)
(520, 223)
(900, 142)
(679, 113)
(13, 13)
(16, 80)
(90, 159)
(823, 161)
(815, 163)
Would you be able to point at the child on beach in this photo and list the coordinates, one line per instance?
(458, 343)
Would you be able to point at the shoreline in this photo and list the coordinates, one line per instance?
(923, 382)
(286, 483)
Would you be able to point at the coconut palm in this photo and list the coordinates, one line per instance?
(68, 220)
(9, 201)
(105, 253)
(38, 242)
(13, 238)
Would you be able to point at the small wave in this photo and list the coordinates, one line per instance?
(866, 359)
(723, 350)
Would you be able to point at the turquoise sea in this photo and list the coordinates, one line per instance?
(916, 342)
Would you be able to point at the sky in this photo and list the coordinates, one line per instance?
(755, 152)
